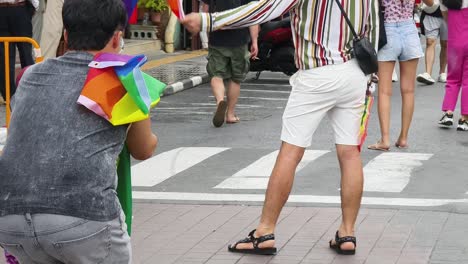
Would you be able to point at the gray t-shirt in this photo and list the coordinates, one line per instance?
(59, 158)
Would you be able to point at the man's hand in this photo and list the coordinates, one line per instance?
(254, 50)
(192, 22)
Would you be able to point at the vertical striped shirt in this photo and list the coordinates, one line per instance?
(320, 32)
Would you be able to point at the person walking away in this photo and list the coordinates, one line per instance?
(38, 21)
(15, 21)
(457, 77)
(403, 45)
(52, 29)
(317, 91)
(58, 201)
(228, 60)
(433, 26)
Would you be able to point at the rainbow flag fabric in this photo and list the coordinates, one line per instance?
(365, 117)
(117, 90)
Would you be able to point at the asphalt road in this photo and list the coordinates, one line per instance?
(198, 163)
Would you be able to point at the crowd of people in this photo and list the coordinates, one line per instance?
(58, 204)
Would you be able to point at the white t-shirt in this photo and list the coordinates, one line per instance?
(464, 5)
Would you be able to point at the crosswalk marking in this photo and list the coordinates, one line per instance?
(227, 197)
(3, 135)
(265, 91)
(165, 165)
(256, 175)
(259, 98)
(391, 172)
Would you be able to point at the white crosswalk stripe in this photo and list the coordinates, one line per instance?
(165, 165)
(388, 172)
(256, 175)
(391, 172)
(3, 135)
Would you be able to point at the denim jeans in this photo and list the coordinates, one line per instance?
(56, 239)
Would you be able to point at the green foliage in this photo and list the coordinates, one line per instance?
(154, 5)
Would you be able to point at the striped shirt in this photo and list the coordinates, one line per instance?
(320, 33)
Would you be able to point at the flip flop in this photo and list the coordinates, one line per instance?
(237, 120)
(218, 118)
(377, 147)
(255, 242)
(401, 146)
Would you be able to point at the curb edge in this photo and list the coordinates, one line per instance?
(186, 84)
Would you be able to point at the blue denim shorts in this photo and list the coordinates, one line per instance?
(403, 42)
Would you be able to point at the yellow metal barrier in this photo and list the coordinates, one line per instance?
(39, 58)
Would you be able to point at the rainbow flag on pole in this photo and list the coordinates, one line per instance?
(177, 7)
(365, 116)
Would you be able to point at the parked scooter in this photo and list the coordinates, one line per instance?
(275, 49)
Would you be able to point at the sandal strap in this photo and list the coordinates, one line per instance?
(255, 240)
(340, 240)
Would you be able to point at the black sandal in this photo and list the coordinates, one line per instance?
(339, 241)
(255, 242)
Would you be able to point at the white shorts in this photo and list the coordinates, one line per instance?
(435, 27)
(336, 90)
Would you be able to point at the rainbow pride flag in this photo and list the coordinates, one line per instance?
(365, 117)
(177, 7)
(117, 90)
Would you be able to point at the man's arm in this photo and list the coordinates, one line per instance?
(254, 37)
(141, 141)
(444, 10)
(253, 13)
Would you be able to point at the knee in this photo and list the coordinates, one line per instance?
(443, 45)
(430, 42)
(407, 90)
(348, 152)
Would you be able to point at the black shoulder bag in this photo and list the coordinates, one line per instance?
(363, 50)
(382, 31)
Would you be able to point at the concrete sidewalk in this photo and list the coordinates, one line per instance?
(189, 234)
(170, 233)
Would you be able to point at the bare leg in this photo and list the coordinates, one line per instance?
(232, 96)
(352, 181)
(408, 74)
(217, 87)
(279, 187)
(385, 94)
(430, 54)
(443, 56)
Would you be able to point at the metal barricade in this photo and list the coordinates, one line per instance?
(6, 42)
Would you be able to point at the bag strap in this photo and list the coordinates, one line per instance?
(343, 12)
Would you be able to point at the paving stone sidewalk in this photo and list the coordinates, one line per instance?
(169, 233)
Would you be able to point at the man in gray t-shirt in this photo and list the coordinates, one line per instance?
(58, 168)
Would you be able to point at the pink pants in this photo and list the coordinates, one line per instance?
(457, 55)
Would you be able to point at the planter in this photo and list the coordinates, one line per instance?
(156, 17)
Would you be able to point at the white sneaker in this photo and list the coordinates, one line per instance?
(394, 76)
(442, 78)
(425, 78)
(462, 125)
(446, 120)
